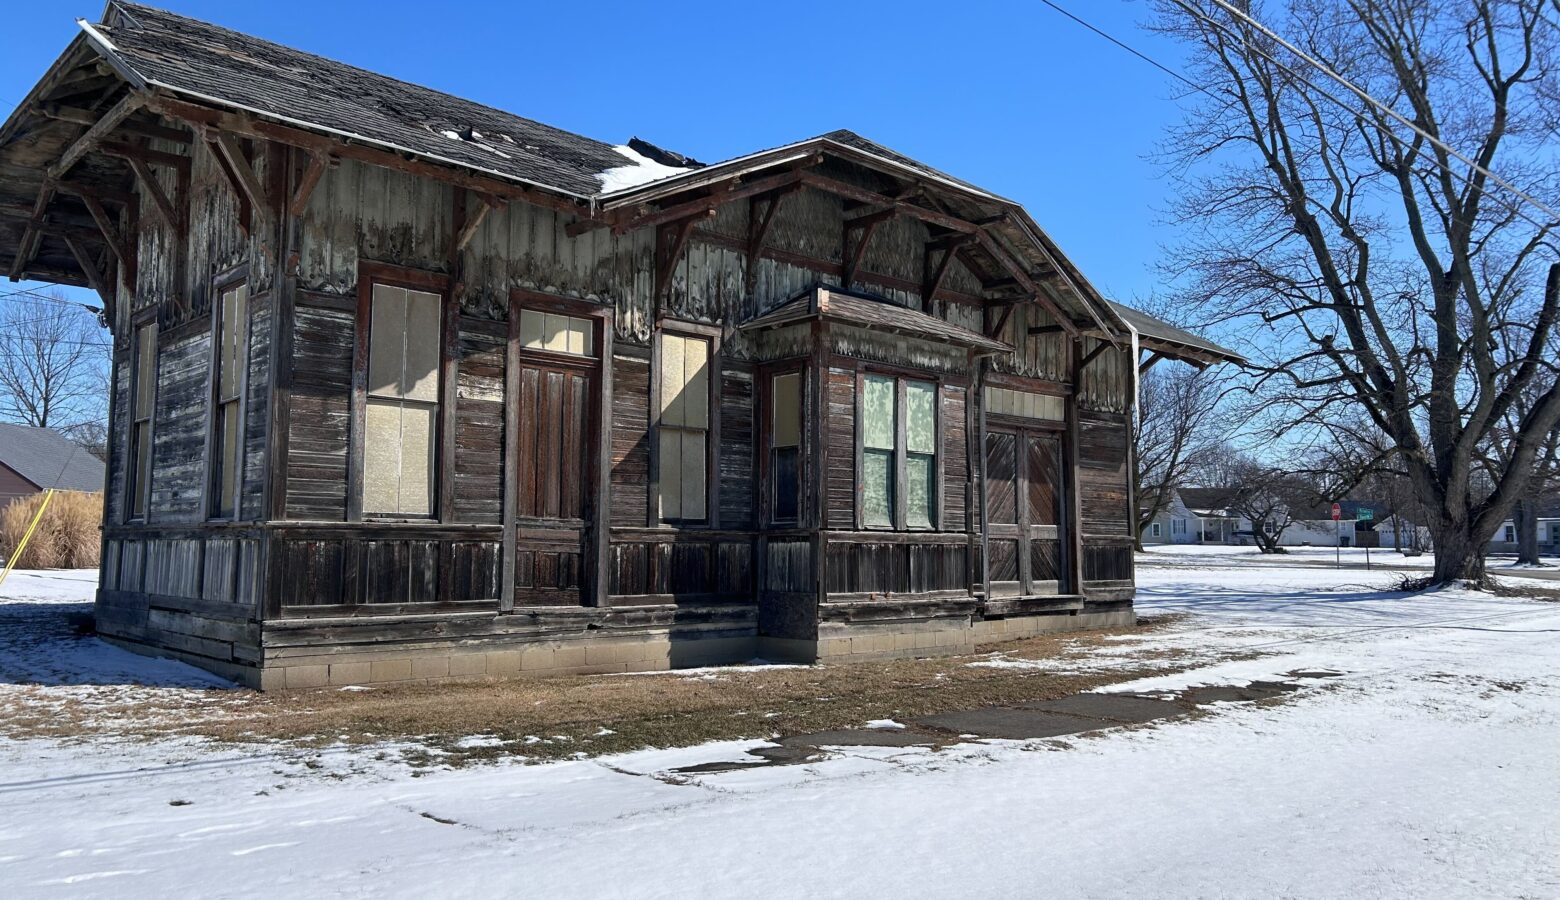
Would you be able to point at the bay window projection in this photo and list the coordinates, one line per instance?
(401, 421)
(683, 432)
(145, 392)
(785, 446)
(886, 441)
(231, 358)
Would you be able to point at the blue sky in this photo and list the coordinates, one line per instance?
(1011, 96)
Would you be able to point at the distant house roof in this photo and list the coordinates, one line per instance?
(1207, 500)
(44, 457)
(878, 315)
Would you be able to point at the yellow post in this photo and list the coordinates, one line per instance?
(26, 536)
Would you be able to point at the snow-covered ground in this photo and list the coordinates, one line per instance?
(1426, 768)
(1202, 554)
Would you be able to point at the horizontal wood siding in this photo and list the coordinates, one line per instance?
(630, 436)
(840, 479)
(320, 417)
(956, 458)
(479, 423)
(1102, 475)
(737, 497)
(179, 429)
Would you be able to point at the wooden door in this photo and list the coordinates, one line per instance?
(1024, 512)
(553, 515)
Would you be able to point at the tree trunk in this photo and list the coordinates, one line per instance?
(1459, 555)
(1525, 515)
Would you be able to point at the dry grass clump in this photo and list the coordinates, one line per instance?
(67, 538)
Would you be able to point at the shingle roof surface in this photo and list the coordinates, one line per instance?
(43, 455)
(195, 57)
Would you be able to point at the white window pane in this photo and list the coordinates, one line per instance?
(671, 474)
(877, 501)
(696, 377)
(420, 380)
(231, 457)
(786, 399)
(582, 337)
(386, 340)
(382, 457)
(417, 436)
(146, 370)
(672, 380)
(920, 417)
(877, 413)
(555, 333)
(919, 490)
(694, 475)
(531, 328)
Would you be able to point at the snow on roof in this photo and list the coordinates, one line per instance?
(640, 170)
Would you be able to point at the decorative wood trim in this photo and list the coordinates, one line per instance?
(511, 452)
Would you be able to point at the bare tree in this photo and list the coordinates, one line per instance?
(1386, 277)
(1269, 497)
(54, 359)
(1176, 407)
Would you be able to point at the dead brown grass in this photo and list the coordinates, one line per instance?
(573, 714)
(66, 538)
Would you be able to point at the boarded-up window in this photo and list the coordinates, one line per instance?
(684, 427)
(401, 421)
(231, 358)
(556, 332)
(878, 426)
(1024, 404)
(785, 442)
(142, 401)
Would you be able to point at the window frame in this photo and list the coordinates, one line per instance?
(441, 502)
(1153, 529)
(899, 469)
(215, 470)
(142, 320)
(766, 408)
(712, 335)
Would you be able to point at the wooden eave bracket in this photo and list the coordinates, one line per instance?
(474, 221)
(758, 229)
(231, 159)
(312, 173)
(123, 252)
(95, 279)
(863, 226)
(1148, 363)
(671, 242)
(1092, 355)
(153, 188)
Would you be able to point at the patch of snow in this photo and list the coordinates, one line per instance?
(478, 741)
(885, 725)
(640, 170)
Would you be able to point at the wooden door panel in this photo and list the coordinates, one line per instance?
(1001, 480)
(554, 446)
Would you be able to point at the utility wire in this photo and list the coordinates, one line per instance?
(1133, 50)
(1363, 95)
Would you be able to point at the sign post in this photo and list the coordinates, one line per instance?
(1337, 514)
(1365, 514)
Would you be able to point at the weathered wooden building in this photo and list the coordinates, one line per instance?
(406, 387)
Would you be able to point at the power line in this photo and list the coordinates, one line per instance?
(1132, 50)
(1363, 95)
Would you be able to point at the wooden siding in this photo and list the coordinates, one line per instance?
(630, 483)
(317, 429)
(479, 422)
(737, 498)
(955, 461)
(840, 459)
(179, 428)
(1103, 476)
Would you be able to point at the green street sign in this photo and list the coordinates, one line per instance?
(1365, 514)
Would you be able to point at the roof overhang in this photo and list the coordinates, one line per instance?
(822, 303)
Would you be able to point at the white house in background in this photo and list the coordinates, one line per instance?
(1205, 516)
(1505, 540)
(1174, 525)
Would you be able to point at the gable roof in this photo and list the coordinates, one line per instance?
(207, 62)
(1155, 334)
(44, 457)
(878, 315)
(1207, 499)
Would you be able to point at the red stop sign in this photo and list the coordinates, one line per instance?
(1337, 512)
